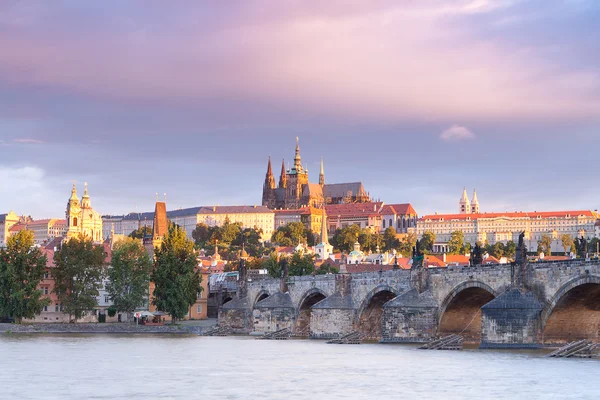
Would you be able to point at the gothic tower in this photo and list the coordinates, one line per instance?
(322, 175)
(475, 203)
(297, 179)
(269, 188)
(73, 213)
(283, 176)
(464, 204)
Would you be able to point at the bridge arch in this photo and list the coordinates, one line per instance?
(460, 311)
(368, 318)
(309, 299)
(573, 313)
(260, 296)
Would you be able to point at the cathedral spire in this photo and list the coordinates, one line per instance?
(269, 178)
(85, 200)
(324, 235)
(322, 174)
(283, 176)
(74, 193)
(464, 203)
(475, 203)
(297, 159)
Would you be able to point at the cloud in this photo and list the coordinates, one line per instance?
(456, 133)
(28, 141)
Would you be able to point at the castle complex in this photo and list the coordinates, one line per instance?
(295, 191)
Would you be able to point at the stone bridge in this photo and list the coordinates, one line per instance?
(557, 302)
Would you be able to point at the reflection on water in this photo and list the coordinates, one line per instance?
(189, 367)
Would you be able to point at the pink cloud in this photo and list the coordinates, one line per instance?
(28, 141)
(456, 133)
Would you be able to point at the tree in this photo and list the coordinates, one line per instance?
(301, 264)
(545, 245)
(129, 275)
(201, 234)
(498, 250)
(21, 271)
(78, 275)
(407, 243)
(344, 239)
(273, 266)
(510, 249)
(456, 243)
(176, 280)
(141, 232)
(567, 242)
(390, 241)
(593, 245)
(427, 241)
(291, 234)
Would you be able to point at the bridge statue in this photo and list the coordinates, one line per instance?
(581, 245)
(476, 256)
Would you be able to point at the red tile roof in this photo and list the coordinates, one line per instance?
(545, 214)
(398, 209)
(353, 209)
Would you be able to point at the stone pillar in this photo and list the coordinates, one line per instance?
(511, 320)
(236, 314)
(412, 317)
(274, 313)
(283, 283)
(334, 316)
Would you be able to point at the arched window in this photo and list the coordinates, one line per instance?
(390, 225)
(75, 221)
(398, 223)
(383, 223)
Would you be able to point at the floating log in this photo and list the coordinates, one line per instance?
(580, 348)
(350, 338)
(451, 342)
(282, 334)
(218, 331)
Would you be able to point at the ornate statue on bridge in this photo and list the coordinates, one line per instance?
(476, 256)
(417, 256)
(582, 247)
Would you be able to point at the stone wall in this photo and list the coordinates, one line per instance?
(331, 323)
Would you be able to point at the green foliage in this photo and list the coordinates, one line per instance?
(112, 311)
(229, 237)
(592, 246)
(390, 241)
(498, 250)
(78, 275)
(129, 275)
(272, 266)
(456, 243)
(327, 268)
(21, 271)
(344, 239)
(141, 232)
(293, 234)
(427, 241)
(407, 244)
(567, 242)
(545, 245)
(301, 264)
(176, 280)
(510, 249)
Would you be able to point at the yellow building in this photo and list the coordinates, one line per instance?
(6, 222)
(82, 218)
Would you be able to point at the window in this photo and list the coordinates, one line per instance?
(56, 308)
(46, 290)
(199, 308)
(45, 308)
(384, 223)
(106, 299)
(46, 275)
(75, 221)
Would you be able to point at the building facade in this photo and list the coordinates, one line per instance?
(44, 230)
(295, 191)
(81, 218)
(503, 227)
(6, 222)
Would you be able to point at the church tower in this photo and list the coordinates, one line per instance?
(283, 176)
(297, 179)
(474, 203)
(322, 175)
(269, 188)
(73, 213)
(464, 204)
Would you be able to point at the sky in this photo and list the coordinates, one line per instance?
(416, 99)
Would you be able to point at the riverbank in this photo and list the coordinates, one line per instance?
(185, 328)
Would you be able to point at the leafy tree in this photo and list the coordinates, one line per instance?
(141, 232)
(427, 241)
(344, 239)
(328, 267)
(510, 249)
(201, 234)
(390, 241)
(301, 264)
(291, 234)
(593, 245)
(407, 243)
(567, 242)
(272, 266)
(176, 280)
(21, 271)
(545, 245)
(498, 250)
(129, 275)
(78, 275)
(456, 242)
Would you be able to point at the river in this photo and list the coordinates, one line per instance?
(190, 367)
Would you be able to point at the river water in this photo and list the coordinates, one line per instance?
(190, 367)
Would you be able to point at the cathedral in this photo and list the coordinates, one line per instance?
(82, 218)
(294, 190)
